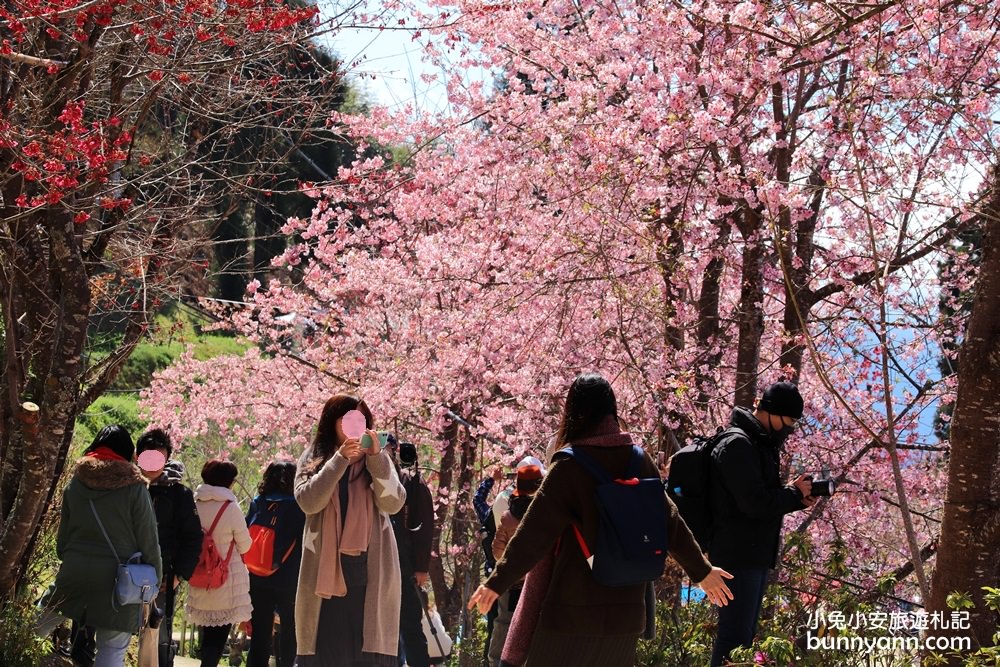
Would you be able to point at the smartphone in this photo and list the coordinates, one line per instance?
(383, 440)
(661, 459)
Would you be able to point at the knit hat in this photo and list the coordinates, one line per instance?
(782, 399)
(530, 472)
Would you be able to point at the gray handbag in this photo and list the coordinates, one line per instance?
(136, 582)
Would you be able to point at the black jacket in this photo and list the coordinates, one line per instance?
(748, 498)
(177, 523)
(414, 526)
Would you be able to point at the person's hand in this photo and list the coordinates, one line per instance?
(422, 578)
(483, 599)
(809, 501)
(498, 474)
(804, 484)
(715, 588)
(376, 444)
(663, 464)
(351, 449)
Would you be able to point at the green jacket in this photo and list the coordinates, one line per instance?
(85, 583)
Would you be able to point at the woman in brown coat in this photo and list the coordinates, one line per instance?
(582, 622)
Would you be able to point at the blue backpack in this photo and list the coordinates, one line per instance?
(631, 546)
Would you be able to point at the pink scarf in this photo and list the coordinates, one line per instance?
(349, 536)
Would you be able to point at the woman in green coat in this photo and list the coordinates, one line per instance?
(84, 587)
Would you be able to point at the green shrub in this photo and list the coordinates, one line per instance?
(19, 645)
(108, 409)
(147, 358)
(684, 636)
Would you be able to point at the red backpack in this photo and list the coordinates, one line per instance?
(212, 569)
(265, 555)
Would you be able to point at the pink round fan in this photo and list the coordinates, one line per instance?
(354, 424)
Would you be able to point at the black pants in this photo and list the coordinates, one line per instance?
(738, 619)
(491, 616)
(266, 601)
(213, 643)
(411, 631)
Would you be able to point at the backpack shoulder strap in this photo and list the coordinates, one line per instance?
(723, 434)
(635, 463)
(589, 464)
(218, 515)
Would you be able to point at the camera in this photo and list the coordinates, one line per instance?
(822, 487)
(155, 616)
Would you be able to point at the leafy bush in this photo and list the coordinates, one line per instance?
(138, 371)
(19, 645)
(984, 656)
(109, 409)
(684, 636)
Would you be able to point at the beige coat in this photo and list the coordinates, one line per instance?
(230, 603)
(382, 595)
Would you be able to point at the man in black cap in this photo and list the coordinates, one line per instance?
(748, 504)
(414, 529)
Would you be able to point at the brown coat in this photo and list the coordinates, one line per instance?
(382, 595)
(505, 531)
(574, 602)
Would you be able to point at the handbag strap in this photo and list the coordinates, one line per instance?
(101, 525)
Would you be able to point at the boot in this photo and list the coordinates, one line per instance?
(84, 650)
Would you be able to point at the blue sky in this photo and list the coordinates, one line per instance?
(390, 67)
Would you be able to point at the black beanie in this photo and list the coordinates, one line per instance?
(782, 399)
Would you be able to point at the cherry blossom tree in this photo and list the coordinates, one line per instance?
(970, 531)
(695, 198)
(118, 127)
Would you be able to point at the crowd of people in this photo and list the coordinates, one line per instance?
(338, 545)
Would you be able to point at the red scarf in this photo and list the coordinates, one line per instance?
(106, 454)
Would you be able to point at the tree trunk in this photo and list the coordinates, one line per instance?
(709, 322)
(443, 594)
(41, 443)
(268, 241)
(969, 552)
(231, 251)
(750, 314)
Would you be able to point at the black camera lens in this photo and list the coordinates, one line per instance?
(823, 487)
(155, 616)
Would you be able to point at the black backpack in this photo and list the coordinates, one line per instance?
(688, 483)
(631, 546)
